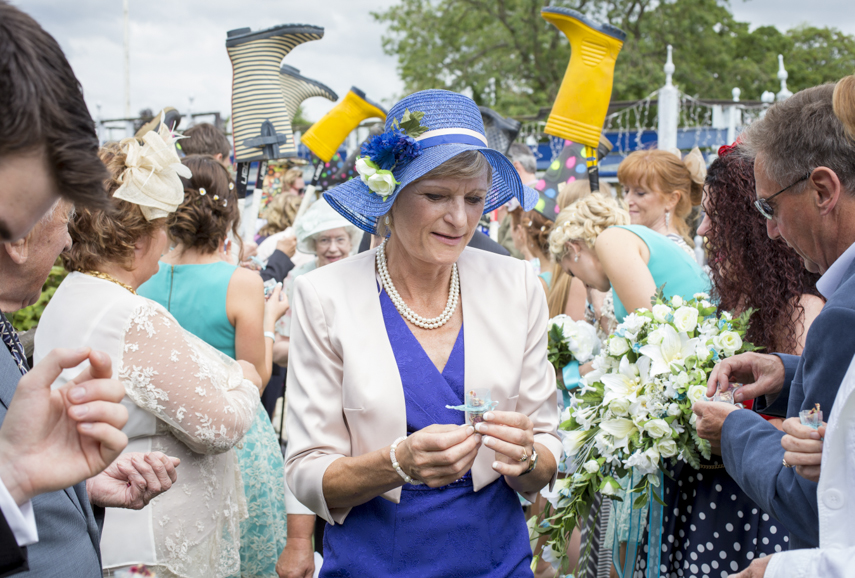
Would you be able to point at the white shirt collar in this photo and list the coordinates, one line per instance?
(830, 280)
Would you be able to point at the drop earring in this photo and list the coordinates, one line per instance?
(667, 219)
(576, 258)
(387, 221)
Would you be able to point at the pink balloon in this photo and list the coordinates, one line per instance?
(567, 143)
(571, 162)
(571, 179)
(540, 185)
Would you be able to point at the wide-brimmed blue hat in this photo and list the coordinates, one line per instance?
(451, 125)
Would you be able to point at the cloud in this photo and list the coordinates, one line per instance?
(177, 49)
(178, 46)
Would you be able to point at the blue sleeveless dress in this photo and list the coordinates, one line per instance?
(196, 297)
(442, 532)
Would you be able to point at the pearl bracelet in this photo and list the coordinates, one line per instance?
(397, 466)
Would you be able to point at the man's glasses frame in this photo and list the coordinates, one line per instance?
(766, 209)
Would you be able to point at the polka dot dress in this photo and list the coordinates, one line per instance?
(711, 528)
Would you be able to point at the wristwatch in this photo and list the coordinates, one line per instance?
(531, 464)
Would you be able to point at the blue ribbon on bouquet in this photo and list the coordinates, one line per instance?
(572, 379)
(654, 534)
(636, 527)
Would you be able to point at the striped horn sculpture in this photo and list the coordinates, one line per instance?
(261, 122)
(297, 88)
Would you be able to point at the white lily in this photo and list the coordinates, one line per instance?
(673, 350)
(627, 382)
(619, 428)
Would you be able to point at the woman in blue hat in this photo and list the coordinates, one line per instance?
(388, 346)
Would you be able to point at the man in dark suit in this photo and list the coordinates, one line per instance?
(68, 526)
(49, 440)
(805, 173)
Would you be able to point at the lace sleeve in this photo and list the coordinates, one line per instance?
(197, 391)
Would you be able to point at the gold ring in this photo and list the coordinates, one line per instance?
(524, 456)
(786, 465)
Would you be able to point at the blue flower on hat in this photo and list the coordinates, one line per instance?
(389, 149)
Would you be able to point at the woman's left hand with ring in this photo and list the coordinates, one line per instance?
(511, 436)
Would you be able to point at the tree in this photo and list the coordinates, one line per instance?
(507, 57)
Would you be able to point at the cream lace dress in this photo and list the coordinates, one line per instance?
(185, 399)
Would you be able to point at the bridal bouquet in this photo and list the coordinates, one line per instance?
(634, 410)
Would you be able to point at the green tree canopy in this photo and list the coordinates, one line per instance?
(513, 60)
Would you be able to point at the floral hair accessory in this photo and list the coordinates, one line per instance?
(151, 179)
(384, 152)
(203, 192)
(231, 186)
(727, 149)
(216, 197)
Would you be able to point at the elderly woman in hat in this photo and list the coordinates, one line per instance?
(388, 347)
(326, 236)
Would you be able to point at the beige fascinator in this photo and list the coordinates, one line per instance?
(694, 162)
(696, 165)
(151, 179)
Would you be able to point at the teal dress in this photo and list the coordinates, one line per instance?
(669, 265)
(196, 297)
(673, 267)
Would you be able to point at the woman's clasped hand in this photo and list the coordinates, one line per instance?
(442, 453)
(511, 435)
(439, 454)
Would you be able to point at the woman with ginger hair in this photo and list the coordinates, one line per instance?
(661, 190)
(184, 397)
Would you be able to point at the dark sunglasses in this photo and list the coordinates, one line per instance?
(763, 205)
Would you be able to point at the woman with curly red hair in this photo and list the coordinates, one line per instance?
(750, 270)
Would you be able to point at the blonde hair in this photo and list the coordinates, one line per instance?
(280, 213)
(559, 289)
(569, 193)
(664, 172)
(583, 221)
(844, 103)
(466, 165)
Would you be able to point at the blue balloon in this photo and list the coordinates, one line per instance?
(581, 168)
(550, 193)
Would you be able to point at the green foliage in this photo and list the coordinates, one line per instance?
(411, 123)
(28, 317)
(514, 61)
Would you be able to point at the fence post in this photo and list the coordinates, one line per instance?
(669, 108)
(734, 117)
(784, 93)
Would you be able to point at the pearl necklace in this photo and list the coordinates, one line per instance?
(404, 309)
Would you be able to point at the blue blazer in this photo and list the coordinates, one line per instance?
(69, 535)
(751, 446)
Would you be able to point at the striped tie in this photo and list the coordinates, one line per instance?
(10, 338)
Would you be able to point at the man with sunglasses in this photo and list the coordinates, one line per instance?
(805, 182)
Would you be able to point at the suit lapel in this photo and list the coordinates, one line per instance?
(9, 377)
(490, 362)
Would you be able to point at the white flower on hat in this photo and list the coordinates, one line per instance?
(383, 183)
(366, 168)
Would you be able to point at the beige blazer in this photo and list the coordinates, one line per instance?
(345, 396)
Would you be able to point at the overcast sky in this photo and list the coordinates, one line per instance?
(178, 46)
